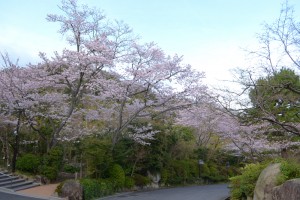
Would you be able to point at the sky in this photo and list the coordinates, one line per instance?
(209, 34)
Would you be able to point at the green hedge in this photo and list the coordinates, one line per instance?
(117, 176)
(50, 172)
(93, 188)
(28, 163)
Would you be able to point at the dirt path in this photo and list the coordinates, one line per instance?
(41, 191)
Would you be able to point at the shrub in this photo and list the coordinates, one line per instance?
(90, 188)
(165, 176)
(129, 182)
(28, 163)
(180, 172)
(58, 189)
(141, 180)
(117, 176)
(49, 172)
(93, 188)
(289, 170)
(55, 157)
(71, 169)
(244, 184)
(52, 163)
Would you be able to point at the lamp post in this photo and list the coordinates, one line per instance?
(200, 162)
(227, 167)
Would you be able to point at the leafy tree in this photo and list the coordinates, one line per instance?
(268, 103)
(272, 99)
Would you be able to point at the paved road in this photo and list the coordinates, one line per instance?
(207, 192)
(10, 196)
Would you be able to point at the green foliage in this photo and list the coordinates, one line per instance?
(93, 188)
(180, 172)
(117, 176)
(289, 170)
(141, 180)
(54, 158)
(183, 133)
(275, 94)
(213, 172)
(28, 163)
(97, 156)
(125, 152)
(58, 189)
(165, 176)
(129, 182)
(71, 169)
(52, 163)
(50, 172)
(244, 184)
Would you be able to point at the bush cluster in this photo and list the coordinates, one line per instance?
(180, 172)
(94, 188)
(52, 163)
(71, 168)
(28, 163)
(141, 180)
(49, 165)
(117, 176)
(244, 184)
(289, 170)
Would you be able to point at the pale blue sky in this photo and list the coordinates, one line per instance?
(209, 34)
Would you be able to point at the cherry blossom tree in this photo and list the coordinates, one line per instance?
(21, 97)
(149, 84)
(109, 65)
(73, 73)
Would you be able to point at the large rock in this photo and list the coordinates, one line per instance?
(290, 190)
(155, 178)
(72, 189)
(266, 182)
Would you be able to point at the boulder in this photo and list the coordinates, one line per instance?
(155, 178)
(266, 182)
(72, 189)
(289, 190)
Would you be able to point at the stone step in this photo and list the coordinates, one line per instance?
(17, 185)
(3, 176)
(8, 183)
(24, 187)
(11, 178)
(8, 174)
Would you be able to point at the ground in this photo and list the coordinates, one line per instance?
(41, 191)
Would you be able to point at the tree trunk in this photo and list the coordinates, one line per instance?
(16, 144)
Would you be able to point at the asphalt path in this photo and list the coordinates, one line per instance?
(12, 196)
(205, 192)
